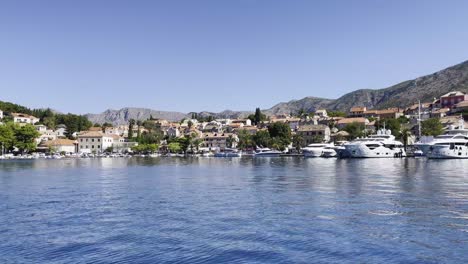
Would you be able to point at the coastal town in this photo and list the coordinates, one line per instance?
(23, 135)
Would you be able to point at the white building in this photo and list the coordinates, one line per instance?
(24, 118)
(218, 141)
(173, 132)
(1, 114)
(61, 130)
(60, 145)
(322, 113)
(94, 142)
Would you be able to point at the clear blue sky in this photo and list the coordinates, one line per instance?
(193, 55)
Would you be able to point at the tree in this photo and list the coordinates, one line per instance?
(145, 148)
(281, 134)
(131, 123)
(7, 136)
(25, 137)
(432, 127)
(245, 139)
(354, 129)
(174, 147)
(262, 138)
(257, 117)
(229, 141)
(74, 123)
(139, 124)
(336, 114)
(405, 135)
(106, 124)
(190, 124)
(298, 142)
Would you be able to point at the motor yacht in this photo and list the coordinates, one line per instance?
(452, 135)
(228, 153)
(454, 148)
(319, 150)
(266, 152)
(380, 145)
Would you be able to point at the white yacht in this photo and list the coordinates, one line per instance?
(319, 150)
(451, 136)
(266, 152)
(453, 148)
(228, 153)
(381, 145)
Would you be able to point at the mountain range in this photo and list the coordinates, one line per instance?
(425, 88)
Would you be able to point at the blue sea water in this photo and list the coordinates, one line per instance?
(208, 210)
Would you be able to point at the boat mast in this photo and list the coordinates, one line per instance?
(419, 118)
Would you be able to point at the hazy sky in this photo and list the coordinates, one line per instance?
(193, 55)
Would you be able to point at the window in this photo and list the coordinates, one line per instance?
(92, 146)
(92, 140)
(81, 140)
(98, 146)
(86, 140)
(98, 140)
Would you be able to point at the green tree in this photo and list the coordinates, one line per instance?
(258, 117)
(336, 114)
(432, 127)
(405, 135)
(106, 124)
(7, 136)
(245, 139)
(131, 124)
(262, 138)
(298, 141)
(354, 129)
(174, 147)
(25, 137)
(281, 134)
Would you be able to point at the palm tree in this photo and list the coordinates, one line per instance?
(229, 141)
(405, 135)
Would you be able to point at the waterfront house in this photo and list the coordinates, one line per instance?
(216, 141)
(314, 133)
(59, 145)
(24, 118)
(94, 142)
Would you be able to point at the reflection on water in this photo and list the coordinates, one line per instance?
(201, 210)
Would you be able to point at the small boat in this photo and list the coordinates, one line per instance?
(228, 153)
(318, 150)
(266, 152)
